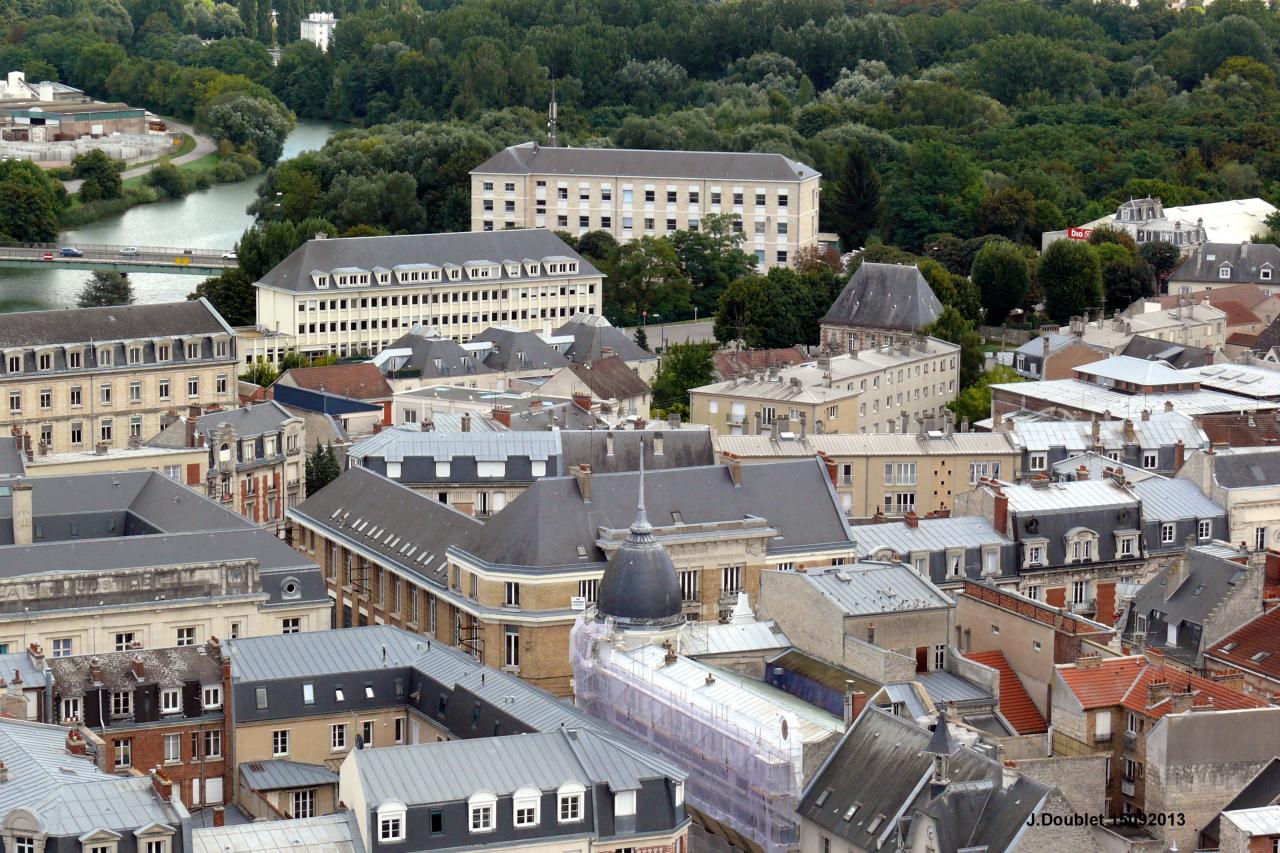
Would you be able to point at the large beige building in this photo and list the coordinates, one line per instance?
(78, 379)
(359, 294)
(889, 389)
(874, 473)
(633, 193)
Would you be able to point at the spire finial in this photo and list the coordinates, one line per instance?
(553, 117)
(641, 526)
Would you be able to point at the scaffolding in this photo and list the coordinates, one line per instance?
(745, 771)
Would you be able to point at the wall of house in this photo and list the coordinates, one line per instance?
(987, 628)
(1081, 779)
(904, 632)
(810, 620)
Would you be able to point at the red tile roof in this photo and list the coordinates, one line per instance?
(361, 381)
(1127, 681)
(730, 365)
(1237, 313)
(1253, 638)
(1236, 430)
(1247, 295)
(1015, 703)
(1242, 339)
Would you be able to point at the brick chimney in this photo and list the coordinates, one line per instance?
(75, 743)
(95, 670)
(466, 422)
(1082, 473)
(1179, 455)
(1232, 679)
(854, 701)
(582, 400)
(1090, 661)
(1045, 341)
(734, 464)
(1157, 692)
(1182, 701)
(502, 414)
(22, 514)
(583, 475)
(1000, 513)
(219, 816)
(138, 668)
(912, 519)
(830, 464)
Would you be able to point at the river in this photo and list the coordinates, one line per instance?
(213, 218)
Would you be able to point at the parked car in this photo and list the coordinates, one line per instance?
(70, 252)
(228, 256)
(129, 250)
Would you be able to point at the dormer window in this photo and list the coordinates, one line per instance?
(193, 350)
(569, 802)
(1265, 274)
(624, 804)
(44, 361)
(525, 806)
(105, 357)
(162, 352)
(14, 363)
(391, 820)
(481, 807)
(1224, 271)
(135, 355)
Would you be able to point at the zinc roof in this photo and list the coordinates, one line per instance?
(1099, 400)
(278, 774)
(711, 638)
(1170, 500)
(1159, 429)
(867, 588)
(1247, 380)
(532, 158)
(1125, 368)
(942, 686)
(1093, 494)
(316, 653)
(400, 443)
(931, 534)
(1264, 820)
(870, 444)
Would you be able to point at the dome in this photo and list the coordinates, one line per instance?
(640, 587)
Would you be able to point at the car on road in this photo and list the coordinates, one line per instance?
(129, 250)
(228, 256)
(48, 256)
(71, 252)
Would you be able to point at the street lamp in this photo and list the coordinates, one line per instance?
(663, 329)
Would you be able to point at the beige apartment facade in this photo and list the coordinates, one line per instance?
(94, 378)
(892, 389)
(870, 470)
(633, 193)
(357, 295)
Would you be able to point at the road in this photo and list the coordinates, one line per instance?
(685, 332)
(204, 146)
(197, 260)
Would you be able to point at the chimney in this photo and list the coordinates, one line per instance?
(95, 670)
(757, 422)
(775, 429)
(1168, 405)
(35, 653)
(1181, 701)
(673, 420)
(466, 422)
(1157, 692)
(1129, 434)
(22, 514)
(4, 772)
(641, 423)
(804, 423)
(1232, 679)
(377, 428)
(913, 520)
(583, 475)
(1089, 661)
(582, 400)
(734, 464)
(830, 466)
(502, 414)
(669, 655)
(1176, 576)
(1082, 473)
(1045, 340)
(1179, 455)
(219, 816)
(1000, 513)
(854, 701)
(75, 743)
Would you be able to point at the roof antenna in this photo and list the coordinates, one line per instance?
(553, 117)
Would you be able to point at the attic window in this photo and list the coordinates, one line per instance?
(308, 694)
(875, 823)
(368, 691)
(582, 551)
(677, 518)
(260, 694)
(1260, 657)
(1230, 647)
(822, 798)
(1199, 589)
(338, 695)
(851, 811)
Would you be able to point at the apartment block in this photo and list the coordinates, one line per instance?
(357, 295)
(103, 377)
(634, 193)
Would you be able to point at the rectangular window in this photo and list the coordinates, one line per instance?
(291, 625)
(512, 596)
(211, 695)
(338, 737)
(1259, 538)
(1037, 462)
(1167, 533)
(193, 386)
(164, 389)
(186, 637)
(124, 753)
(104, 430)
(1150, 460)
(46, 398)
(15, 401)
(280, 742)
(62, 648)
(76, 398)
(730, 579)
(1204, 529)
(391, 828)
(104, 394)
(172, 749)
(511, 646)
(124, 640)
(482, 816)
(213, 743)
(304, 803)
(366, 732)
(70, 708)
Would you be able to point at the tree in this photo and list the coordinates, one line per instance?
(1163, 257)
(1070, 278)
(641, 339)
(683, 366)
(711, 258)
(647, 279)
(1000, 275)
(854, 205)
(168, 180)
(322, 468)
(105, 288)
(974, 402)
(1126, 278)
(100, 176)
(262, 373)
(951, 326)
(31, 202)
(254, 125)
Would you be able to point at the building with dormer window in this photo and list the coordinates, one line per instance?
(102, 378)
(359, 294)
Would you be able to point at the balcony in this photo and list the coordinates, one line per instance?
(1089, 605)
(1130, 740)
(736, 420)
(1102, 738)
(1127, 787)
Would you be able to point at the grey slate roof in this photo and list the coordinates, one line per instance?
(1245, 259)
(1035, 346)
(70, 795)
(1179, 356)
(592, 334)
(530, 157)
(880, 765)
(294, 272)
(931, 534)
(1173, 500)
(640, 587)
(279, 774)
(680, 449)
(426, 351)
(887, 296)
(1243, 469)
(518, 349)
(868, 588)
(1209, 579)
(545, 525)
(389, 519)
(117, 323)
(247, 421)
(317, 653)
(406, 442)
(12, 461)
(171, 667)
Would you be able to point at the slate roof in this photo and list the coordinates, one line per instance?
(294, 272)
(361, 381)
(1208, 581)
(317, 653)
(1057, 341)
(1175, 355)
(170, 667)
(730, 364)
(1261, 793)
(1173, 500)
(592, 333)
(69, 794)
(116, 323)
(13, 462)
(1126, 681)
(887, 296)
(1016, 705)
(869, 588)
(1244, 469)
(1057, 497)
(334, 833)
(1096, 399)
(393, 521)
(610, 379)
(545, 526)
(1245, 259)
(518, 349)
(682, 448)
(279, 774)
(881, 768)
(422, 348)
(1257, 638)
(530, 158)
(247, 421)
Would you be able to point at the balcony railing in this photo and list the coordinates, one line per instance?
(1089, 605)
(1127, 787)
(1102, 738)
(1130, 740)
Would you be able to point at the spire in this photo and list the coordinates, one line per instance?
(641, 527)
(553, 117)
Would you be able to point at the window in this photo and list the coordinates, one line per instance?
(1259, 538)
(212, 696)
(366, 732)
(525, 806)
(193, 386)
(193, 350)
(1167, 532)
(222, 383)
(104, 431)
(1224, 271)
(304, 803)
(730, 579)
(76, 395)
(399, 724)
(1127, 545)
(587, 589)
(767, 415)
(260, 698)
(104, 394)
(1079, 592)
(186, 637)
(391, 822)
(1204, 530)
(213, 743)
(124, 640)
(1037, 462)
(1035, 555)
(46, 398)
(511, 646)
(172, 749)
(338, 737)
(62, 648)
(15, 401)
(164, 389)
(689, 586)
(481, 807)
(280, 742)
(291, 625)
(170, 700)
(1150, 460)
(70, 708)
(512, 597)
(124, 753)
(437, 821)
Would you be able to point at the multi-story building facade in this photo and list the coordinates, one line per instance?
(358, 294)
(1246, 482)
(100, 562)
(633, 193)
(1157, 442)
(103, 377)
(507, 590)
(154, 708)
(897, 388)
(891, 474)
